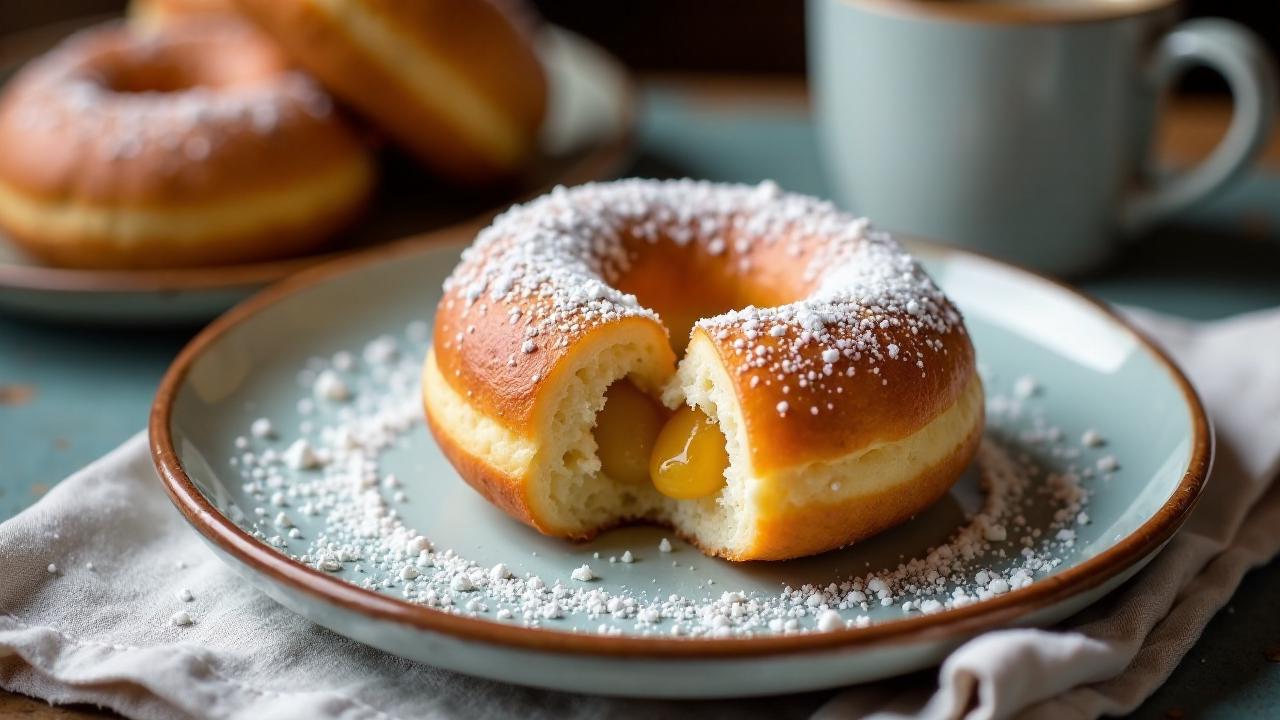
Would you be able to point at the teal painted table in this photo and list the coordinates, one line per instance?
(69, 394)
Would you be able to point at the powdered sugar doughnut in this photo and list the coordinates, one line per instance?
(190, 145)
(841, 379)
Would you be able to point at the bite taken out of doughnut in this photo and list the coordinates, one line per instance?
(769, 376)
(189, 145)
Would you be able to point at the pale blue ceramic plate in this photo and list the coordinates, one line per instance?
(1092, 372)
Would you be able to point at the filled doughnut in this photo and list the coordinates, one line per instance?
(456, 82)
(764, 373)
(191, 145)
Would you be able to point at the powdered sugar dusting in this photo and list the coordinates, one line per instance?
(66, 94)
(550, 267)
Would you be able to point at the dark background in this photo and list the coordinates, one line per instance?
(738, 36)
(763, 35)
(767, 36)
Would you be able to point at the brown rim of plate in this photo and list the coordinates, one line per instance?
(950, 624)
(995, 12)
(604, 160)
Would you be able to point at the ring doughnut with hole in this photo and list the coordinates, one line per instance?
(190, 145)
(796, 380)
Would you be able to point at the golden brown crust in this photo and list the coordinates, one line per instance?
(474, 40)
(108, 124)
(118, 153)
(272, 242)
(880, 403)
(855, 411)
(475, 341)
(832, 339)
(812, 528)
(800, 530)
(501, 489)
(474, 352)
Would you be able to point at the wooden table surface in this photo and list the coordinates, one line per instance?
(1190, 131)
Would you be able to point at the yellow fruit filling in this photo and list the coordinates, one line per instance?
(689, 457)
(625, 431)
(684, 457)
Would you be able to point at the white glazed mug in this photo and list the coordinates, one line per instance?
(1022, 128)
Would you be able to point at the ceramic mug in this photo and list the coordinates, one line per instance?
(1021, 128)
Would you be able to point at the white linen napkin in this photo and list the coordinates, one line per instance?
(93, 573)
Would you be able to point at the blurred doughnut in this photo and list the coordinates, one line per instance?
(187, 146)
(457, 82)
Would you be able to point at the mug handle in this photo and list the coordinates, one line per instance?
(1241, 58)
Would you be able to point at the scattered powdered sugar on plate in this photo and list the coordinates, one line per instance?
(331, 476)
(1092, 438)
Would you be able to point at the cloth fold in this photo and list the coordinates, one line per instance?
(95, 571)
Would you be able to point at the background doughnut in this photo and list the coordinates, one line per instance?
(190, 146)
